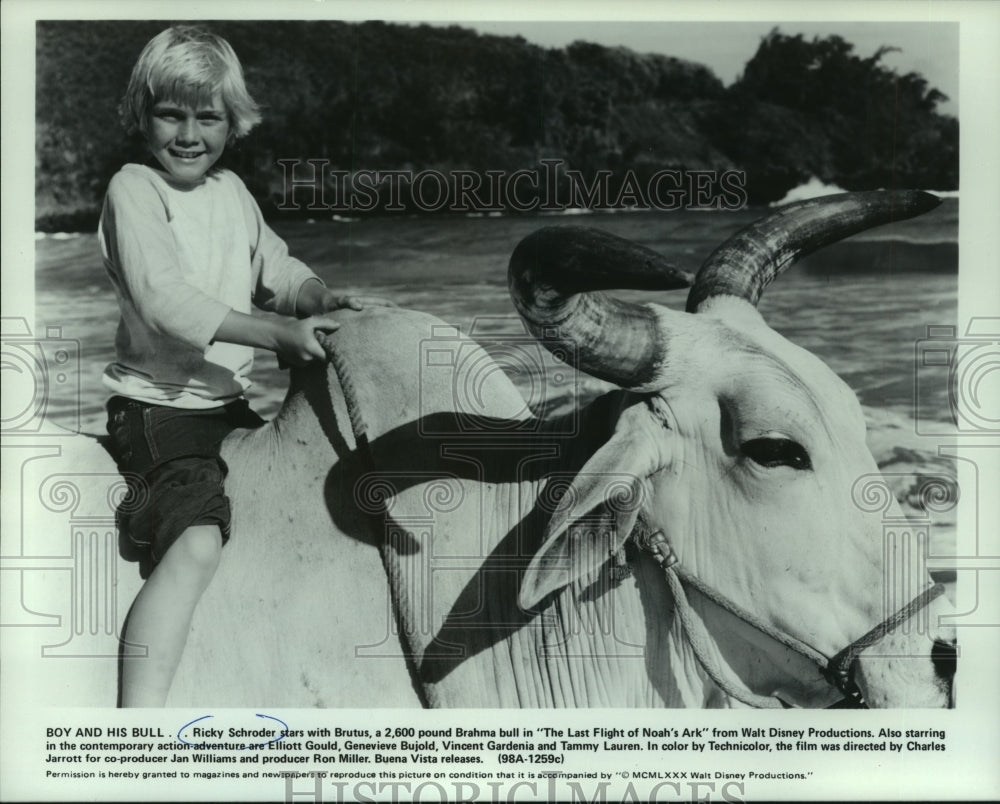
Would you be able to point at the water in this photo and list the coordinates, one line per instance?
(863, 306)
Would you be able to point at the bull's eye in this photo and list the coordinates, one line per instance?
(773, 451)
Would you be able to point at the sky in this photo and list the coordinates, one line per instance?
(928, 48)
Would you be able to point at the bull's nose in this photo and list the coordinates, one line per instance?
(944, 655)
(945, 658)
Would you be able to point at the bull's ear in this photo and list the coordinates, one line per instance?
(614, 481)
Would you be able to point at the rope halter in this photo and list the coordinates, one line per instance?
(838, 669)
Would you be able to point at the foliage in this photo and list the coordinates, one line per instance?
(847, 120)
(380, 96)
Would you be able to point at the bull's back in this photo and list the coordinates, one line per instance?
(299, 613)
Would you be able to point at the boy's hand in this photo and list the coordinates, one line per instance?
(332, 301)
(292, 339)
(315, 299)
(296, 343)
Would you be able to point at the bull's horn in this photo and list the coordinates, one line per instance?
(555, 278)
(747, 262)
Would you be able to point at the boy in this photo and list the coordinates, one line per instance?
(187, 250)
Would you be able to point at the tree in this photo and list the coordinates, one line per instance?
(869, 126)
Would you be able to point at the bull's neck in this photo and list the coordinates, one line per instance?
(311, 429)
(605, 640)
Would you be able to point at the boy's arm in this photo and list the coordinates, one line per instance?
(293, 340)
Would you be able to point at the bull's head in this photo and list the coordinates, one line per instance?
(744, 447)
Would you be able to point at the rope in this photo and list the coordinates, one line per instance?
(839, 667)
(836, 670)
(427, 693)
(701, 644)
(358, 426)
(766, 628)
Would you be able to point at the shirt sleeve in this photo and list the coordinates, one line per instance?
(141, 256)
(278, 277)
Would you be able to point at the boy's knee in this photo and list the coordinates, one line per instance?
(200, 546)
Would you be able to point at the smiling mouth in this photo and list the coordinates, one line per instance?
(185, 154)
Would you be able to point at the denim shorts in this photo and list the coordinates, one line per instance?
(171, 462)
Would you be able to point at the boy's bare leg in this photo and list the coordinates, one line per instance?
(161, 615)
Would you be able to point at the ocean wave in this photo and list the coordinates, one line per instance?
(568, 212)
(813, 188)
(59, 235)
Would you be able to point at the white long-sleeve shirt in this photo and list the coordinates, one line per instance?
(180, 259)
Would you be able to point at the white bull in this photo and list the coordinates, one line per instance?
(513, 553)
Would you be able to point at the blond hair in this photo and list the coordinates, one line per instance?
(188, 65)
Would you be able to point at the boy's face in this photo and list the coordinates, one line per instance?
(187, 141)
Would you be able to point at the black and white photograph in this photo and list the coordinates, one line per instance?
(500, 402)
